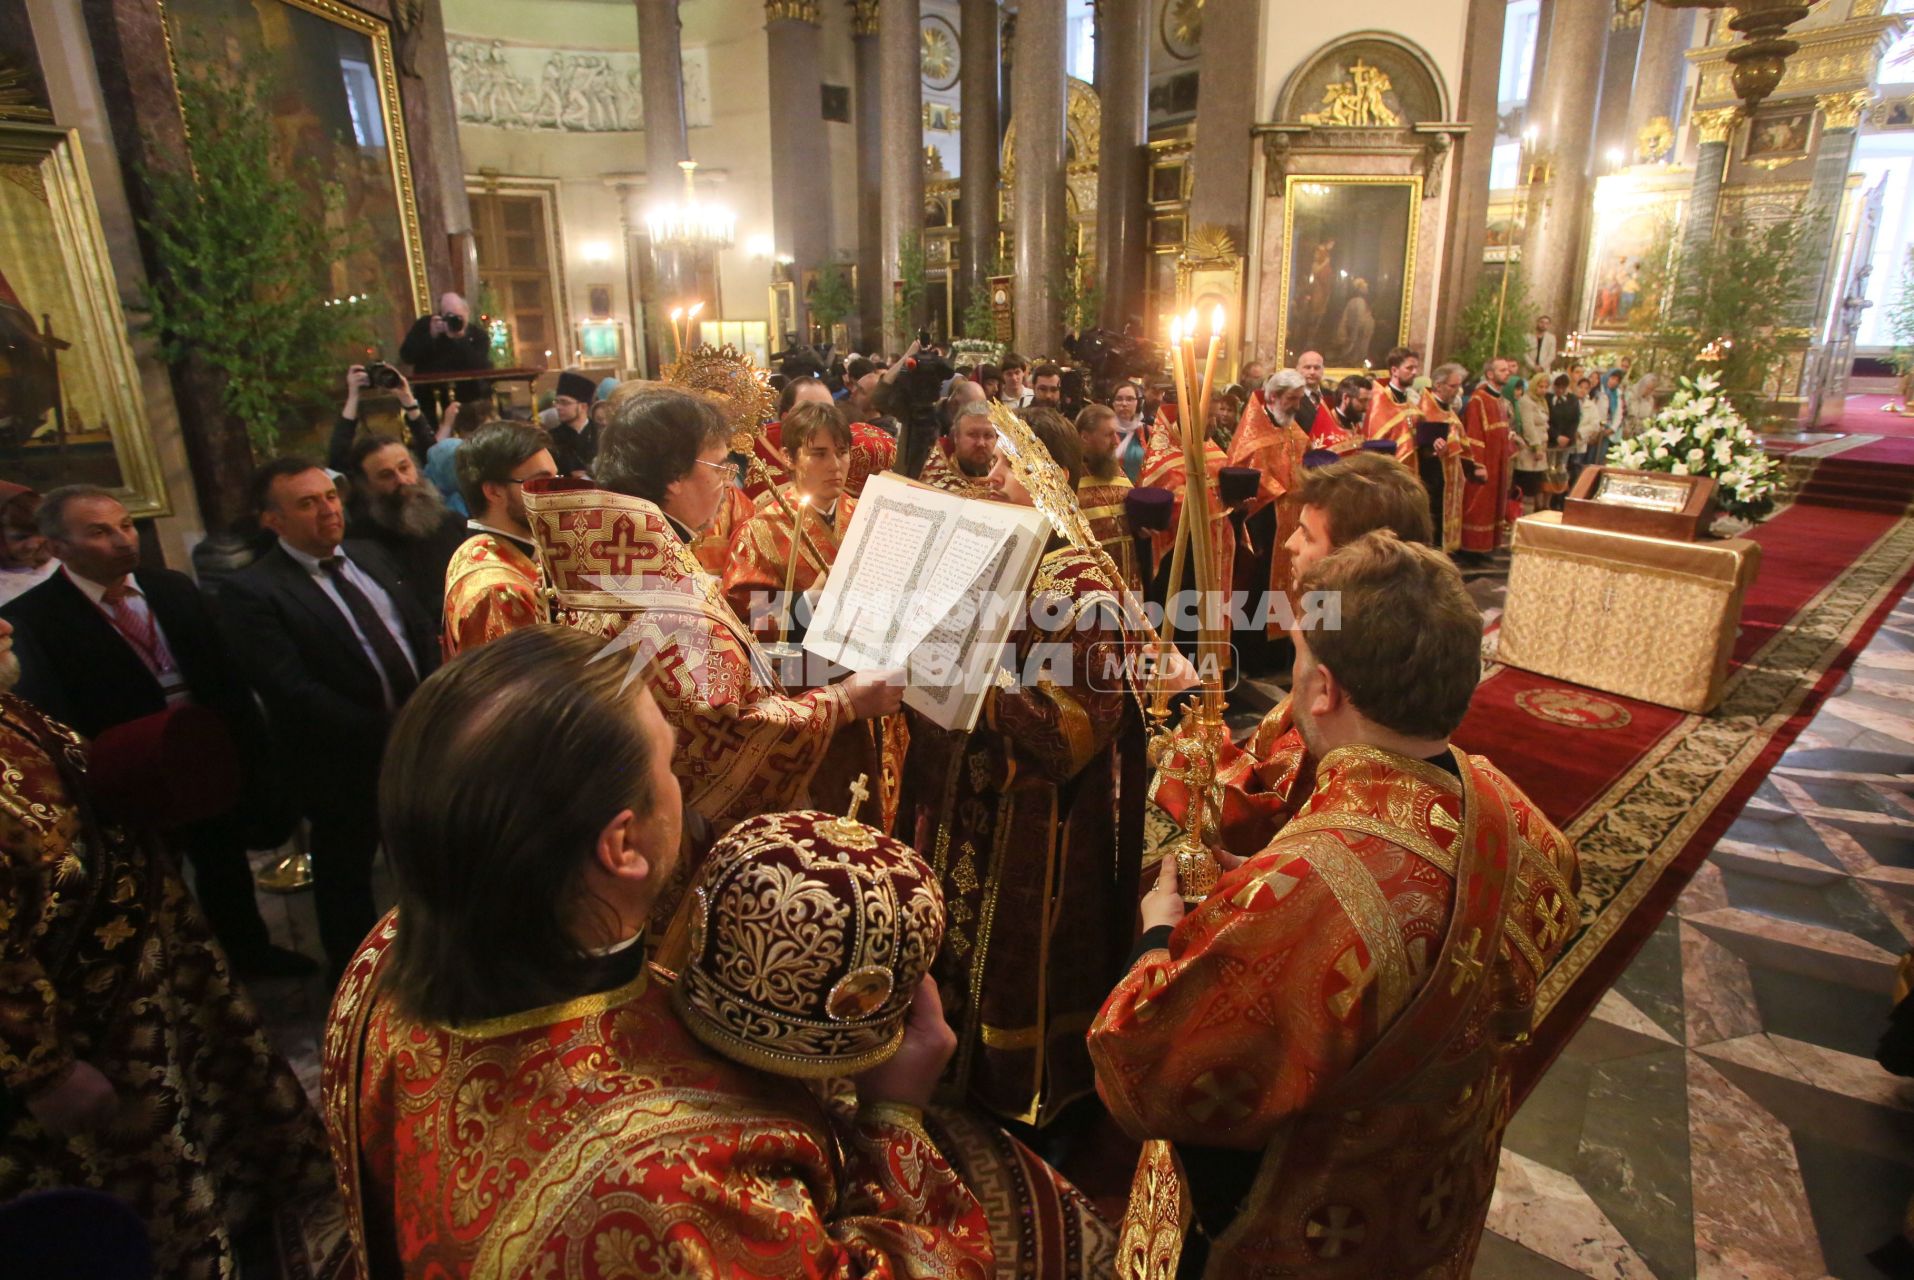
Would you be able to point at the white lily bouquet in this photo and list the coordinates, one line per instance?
(1700, 434)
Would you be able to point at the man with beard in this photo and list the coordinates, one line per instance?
(1273, 441)
(1319, 1051)
(1046, 387)
(1103, 486)
(1393, 410)
(130, 1060)
(960, 461)
(1485, 423)
(491, 584)
(573, 430)
(395, 506)
(1340, 429)
(1442, 454)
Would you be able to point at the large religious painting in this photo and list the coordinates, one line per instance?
(1349, 261)
(1634, 216)
(70, 404)
(324, 74)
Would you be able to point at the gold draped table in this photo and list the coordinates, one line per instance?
(1647, 618)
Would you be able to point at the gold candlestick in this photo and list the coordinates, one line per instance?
(784, 648)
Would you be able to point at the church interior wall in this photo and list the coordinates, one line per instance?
(73, 84)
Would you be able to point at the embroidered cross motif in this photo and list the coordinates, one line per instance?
(1552, 914)
(1220, 1096)
(1468, 965)
(623, 550)
(1332, 1228)
(1433, 1206)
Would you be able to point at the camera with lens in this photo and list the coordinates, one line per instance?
(454, 322)
(383, 377)
(1112, 357)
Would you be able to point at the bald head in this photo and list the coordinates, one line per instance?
(1310, 365)
(453, 304)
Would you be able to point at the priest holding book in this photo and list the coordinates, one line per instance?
(763, 561)
(1019, 815)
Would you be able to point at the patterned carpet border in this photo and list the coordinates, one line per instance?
(1632, 835)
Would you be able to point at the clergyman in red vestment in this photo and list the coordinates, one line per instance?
(508, 1090)
(1485, 421)
(1393, 408)
(491, 584)
(1316, 1055)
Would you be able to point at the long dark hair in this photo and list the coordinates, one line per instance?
(500, 773)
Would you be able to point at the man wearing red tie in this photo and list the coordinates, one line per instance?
(104, 642)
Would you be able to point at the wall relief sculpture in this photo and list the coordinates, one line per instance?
(513, 86)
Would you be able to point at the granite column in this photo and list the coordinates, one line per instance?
(1704, 193)
(1123, 74)
(866, 113)
(1562, 112)
(1225, 111)
(1660, 69)
(1840, 122)
(1470, 163)
(1038, 87)
(981, 144)
(901, 157)
(800, 150)
(662, 91)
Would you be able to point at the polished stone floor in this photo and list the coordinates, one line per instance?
(1721, 1115)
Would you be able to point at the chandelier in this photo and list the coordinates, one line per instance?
(691, 224)
(1760, 59)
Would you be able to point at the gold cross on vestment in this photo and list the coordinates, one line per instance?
(859, 794)
(1468, 965)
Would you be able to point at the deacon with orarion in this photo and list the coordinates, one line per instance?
(491, 584)
(1271, 440)
(1317, 1054)
(1485, 499)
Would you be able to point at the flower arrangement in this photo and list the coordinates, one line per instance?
(966, 352)
(1699, 433)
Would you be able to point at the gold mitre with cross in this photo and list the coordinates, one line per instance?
(809, 933)
(1043, 478)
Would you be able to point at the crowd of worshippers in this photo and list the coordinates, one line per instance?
(692, 971)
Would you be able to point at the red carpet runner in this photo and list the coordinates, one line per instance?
(1644, 791)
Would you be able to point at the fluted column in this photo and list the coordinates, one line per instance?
(1225, 111)
(981, 141)
(1840, 121)
(1660, 68)
(800, 151)
(1561, 110)
(1618, 78)
(1123, 77)
(866, 113)
(901, 103)
(662, 90)
(1037, 224)
(1704, 193)
(1469, 166)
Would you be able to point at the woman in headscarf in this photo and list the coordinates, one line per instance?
(25, 559)
(1528, 424)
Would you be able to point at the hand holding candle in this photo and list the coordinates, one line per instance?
(791, 566)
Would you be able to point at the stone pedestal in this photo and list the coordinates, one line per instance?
(981, 142)
(1562, 107)
(1037, 222)
(901, 151)
(800, 150)
(1123, 78)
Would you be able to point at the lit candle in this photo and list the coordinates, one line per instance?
(1209, 364)
(677, 343)
(791, 566)
(691, 318)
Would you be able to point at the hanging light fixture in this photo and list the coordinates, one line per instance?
(691, 223)
(1761, 58)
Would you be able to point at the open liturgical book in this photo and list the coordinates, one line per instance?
(928, 583)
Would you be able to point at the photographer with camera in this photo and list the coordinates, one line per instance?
(447, 342)
(909, 391)
(379, 378)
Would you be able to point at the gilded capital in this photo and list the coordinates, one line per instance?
(1843, 110)
(863, 17)
(1716, 125)
(793, 11)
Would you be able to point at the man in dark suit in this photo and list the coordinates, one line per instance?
(331, 635)
(104, 642)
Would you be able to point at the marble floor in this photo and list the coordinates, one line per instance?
(1721, 1114)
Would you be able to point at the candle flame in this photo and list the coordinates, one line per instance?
(1189, 324)
(677, 312)
(696, 307)
(804, 499)
(1176, 330)
(1216, 321)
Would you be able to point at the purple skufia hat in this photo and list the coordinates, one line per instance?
(1380, 446)
(1320, 458)
(1148, 508)
(1237, 484)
